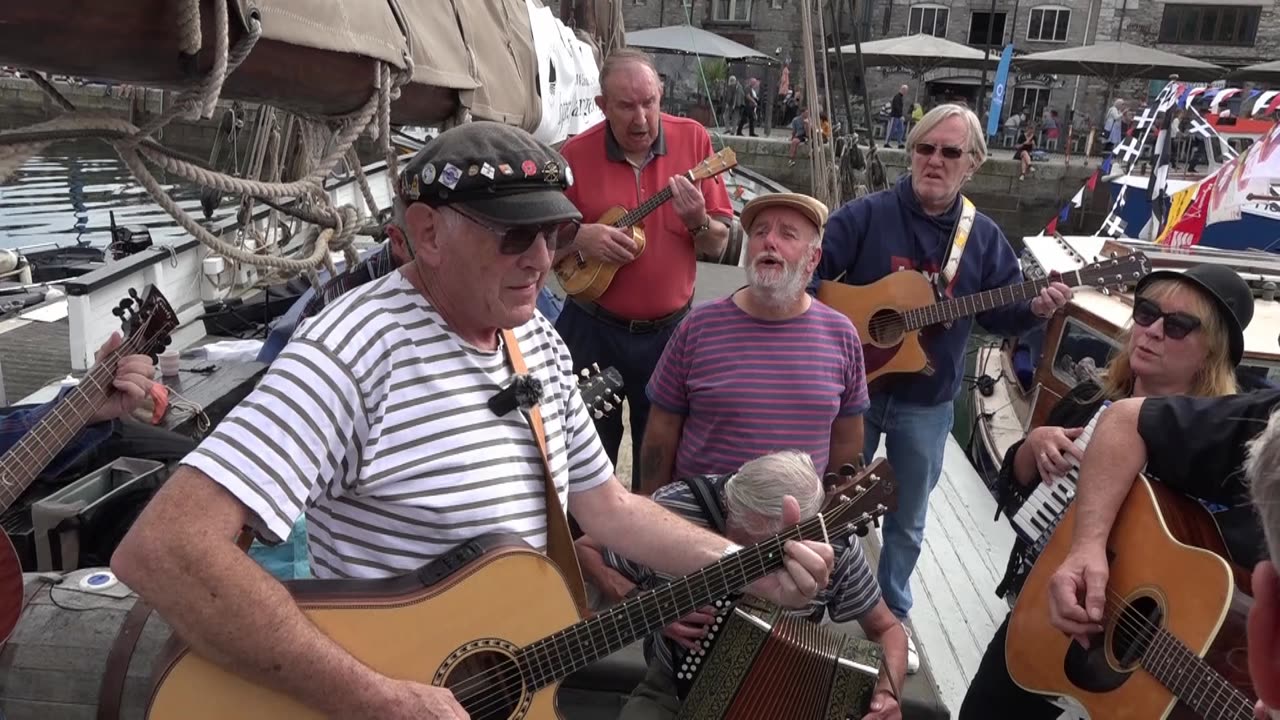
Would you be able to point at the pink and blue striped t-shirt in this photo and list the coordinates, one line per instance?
(747, 387)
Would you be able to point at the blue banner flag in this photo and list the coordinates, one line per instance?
(997, 91)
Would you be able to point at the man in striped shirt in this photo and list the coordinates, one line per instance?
(750, 504)
(375, 421)
(767, 368)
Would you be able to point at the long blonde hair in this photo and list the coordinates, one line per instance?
(1216, 376)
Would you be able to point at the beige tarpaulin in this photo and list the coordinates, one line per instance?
(481, 48)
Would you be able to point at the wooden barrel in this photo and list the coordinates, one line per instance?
(53, 665)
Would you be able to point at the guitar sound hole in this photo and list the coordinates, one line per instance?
(487, 684)
(1133, 631)
(886, 327)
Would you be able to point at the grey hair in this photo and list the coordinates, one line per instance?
(760, 485)
(1262, 468)
(626, 56)
(972, 126)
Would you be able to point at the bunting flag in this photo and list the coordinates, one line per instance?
(1092, 182)
(1147, 117)
(1114, 226)
(1052, 227)
(1158, 183)
(1078, 199)
(1178, 205)
(1066, 212)
(1105, 167)
(1189, 227)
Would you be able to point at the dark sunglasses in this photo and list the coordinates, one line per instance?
(1177, 325)
(517, 239)
(949, 152)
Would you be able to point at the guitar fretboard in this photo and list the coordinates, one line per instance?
(950, 310)
(559, 655)
(1189, 677)
(41, 444)
(643, 209)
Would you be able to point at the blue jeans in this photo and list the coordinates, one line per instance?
(915, 438)
(896, 130)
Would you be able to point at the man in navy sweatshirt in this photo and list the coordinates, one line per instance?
(911, 227)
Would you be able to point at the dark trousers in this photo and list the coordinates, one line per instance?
(748, 118)
(596, 340)
(994, 694)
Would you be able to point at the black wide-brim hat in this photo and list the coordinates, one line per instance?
(497, 171)
(1230, 293)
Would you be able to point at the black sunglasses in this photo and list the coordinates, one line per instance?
(949, 152)
(1177, 325)
(517, 239)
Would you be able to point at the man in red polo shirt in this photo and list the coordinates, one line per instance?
(636, 152)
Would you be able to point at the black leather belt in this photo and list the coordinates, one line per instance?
(635, 327)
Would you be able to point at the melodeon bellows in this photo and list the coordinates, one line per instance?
(758, 662)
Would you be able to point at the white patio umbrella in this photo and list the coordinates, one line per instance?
(918, 54)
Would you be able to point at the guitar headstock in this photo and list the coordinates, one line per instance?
(724, 160)
(600, 390)
(146, 322)
(1116, 273)
(859, 498)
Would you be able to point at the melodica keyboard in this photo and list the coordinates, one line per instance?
(1039, 516)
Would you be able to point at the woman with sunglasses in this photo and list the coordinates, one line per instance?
(1186, 338)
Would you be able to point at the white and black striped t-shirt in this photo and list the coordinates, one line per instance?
(374, 420)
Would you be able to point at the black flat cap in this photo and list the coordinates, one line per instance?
(1229, 292)
(497, 171)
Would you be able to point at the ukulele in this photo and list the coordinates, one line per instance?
(146, 329)
(587, 279)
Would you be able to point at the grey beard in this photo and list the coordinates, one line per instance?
(779, 293)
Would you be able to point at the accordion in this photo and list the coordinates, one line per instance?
(757, 661)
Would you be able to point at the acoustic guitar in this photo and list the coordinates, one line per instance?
(146, 329)
(890, 313)
(493, 621)
(587, 279)
(1173, 644)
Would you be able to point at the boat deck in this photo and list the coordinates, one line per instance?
(33, 352)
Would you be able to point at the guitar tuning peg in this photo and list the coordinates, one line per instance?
(133, 293)
(848, 470)
(596, 414)
(118, 312)
(585, 373)
(861, 530)
(608, 407)
(125, 304)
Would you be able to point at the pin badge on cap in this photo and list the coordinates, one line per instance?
(471, 171)
(428, 173)
(505, 169)
(551, 171)
(450, 175)
(529, 167)
(487, 171)
(415, 190)
(568, 175)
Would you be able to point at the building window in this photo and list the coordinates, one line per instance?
(1209, 24)
(978, 29)
(1034, 99)
(776, 4)
(1049, 24)
(731, 10)
(928, 19)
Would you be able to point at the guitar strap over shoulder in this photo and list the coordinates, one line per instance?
(946, 280)
(559, 539)
(707, 491)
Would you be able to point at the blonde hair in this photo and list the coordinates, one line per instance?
(942, 113)
(1262, 470)
(1217, 374)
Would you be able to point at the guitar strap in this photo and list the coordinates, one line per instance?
(946, 280)
(560, 546)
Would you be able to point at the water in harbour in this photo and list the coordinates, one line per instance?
(66, 194)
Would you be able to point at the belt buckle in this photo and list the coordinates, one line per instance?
(635, 327)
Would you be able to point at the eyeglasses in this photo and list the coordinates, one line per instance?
(949, 152)
(1177, 325)
(517, 239)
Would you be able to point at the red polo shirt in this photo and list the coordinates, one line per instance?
(660, 281)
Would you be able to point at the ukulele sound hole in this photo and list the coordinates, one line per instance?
(487, 683)
(886, 327)
(1133, 630)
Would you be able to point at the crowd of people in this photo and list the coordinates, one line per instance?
(374, 418)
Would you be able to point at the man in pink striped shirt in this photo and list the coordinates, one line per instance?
(767, 368)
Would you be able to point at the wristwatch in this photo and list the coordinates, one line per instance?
(705, 226)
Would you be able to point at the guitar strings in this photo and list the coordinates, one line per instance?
(1138, 625)
(504, 670)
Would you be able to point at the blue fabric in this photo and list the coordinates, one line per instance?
(288, 560)
(15, 421)
(888, 231)
(915, 438)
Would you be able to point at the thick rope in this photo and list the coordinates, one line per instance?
(189, 40)
(353, 162)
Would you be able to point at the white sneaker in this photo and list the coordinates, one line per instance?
(913, 655)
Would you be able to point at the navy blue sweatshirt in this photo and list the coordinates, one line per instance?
(888, 231)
